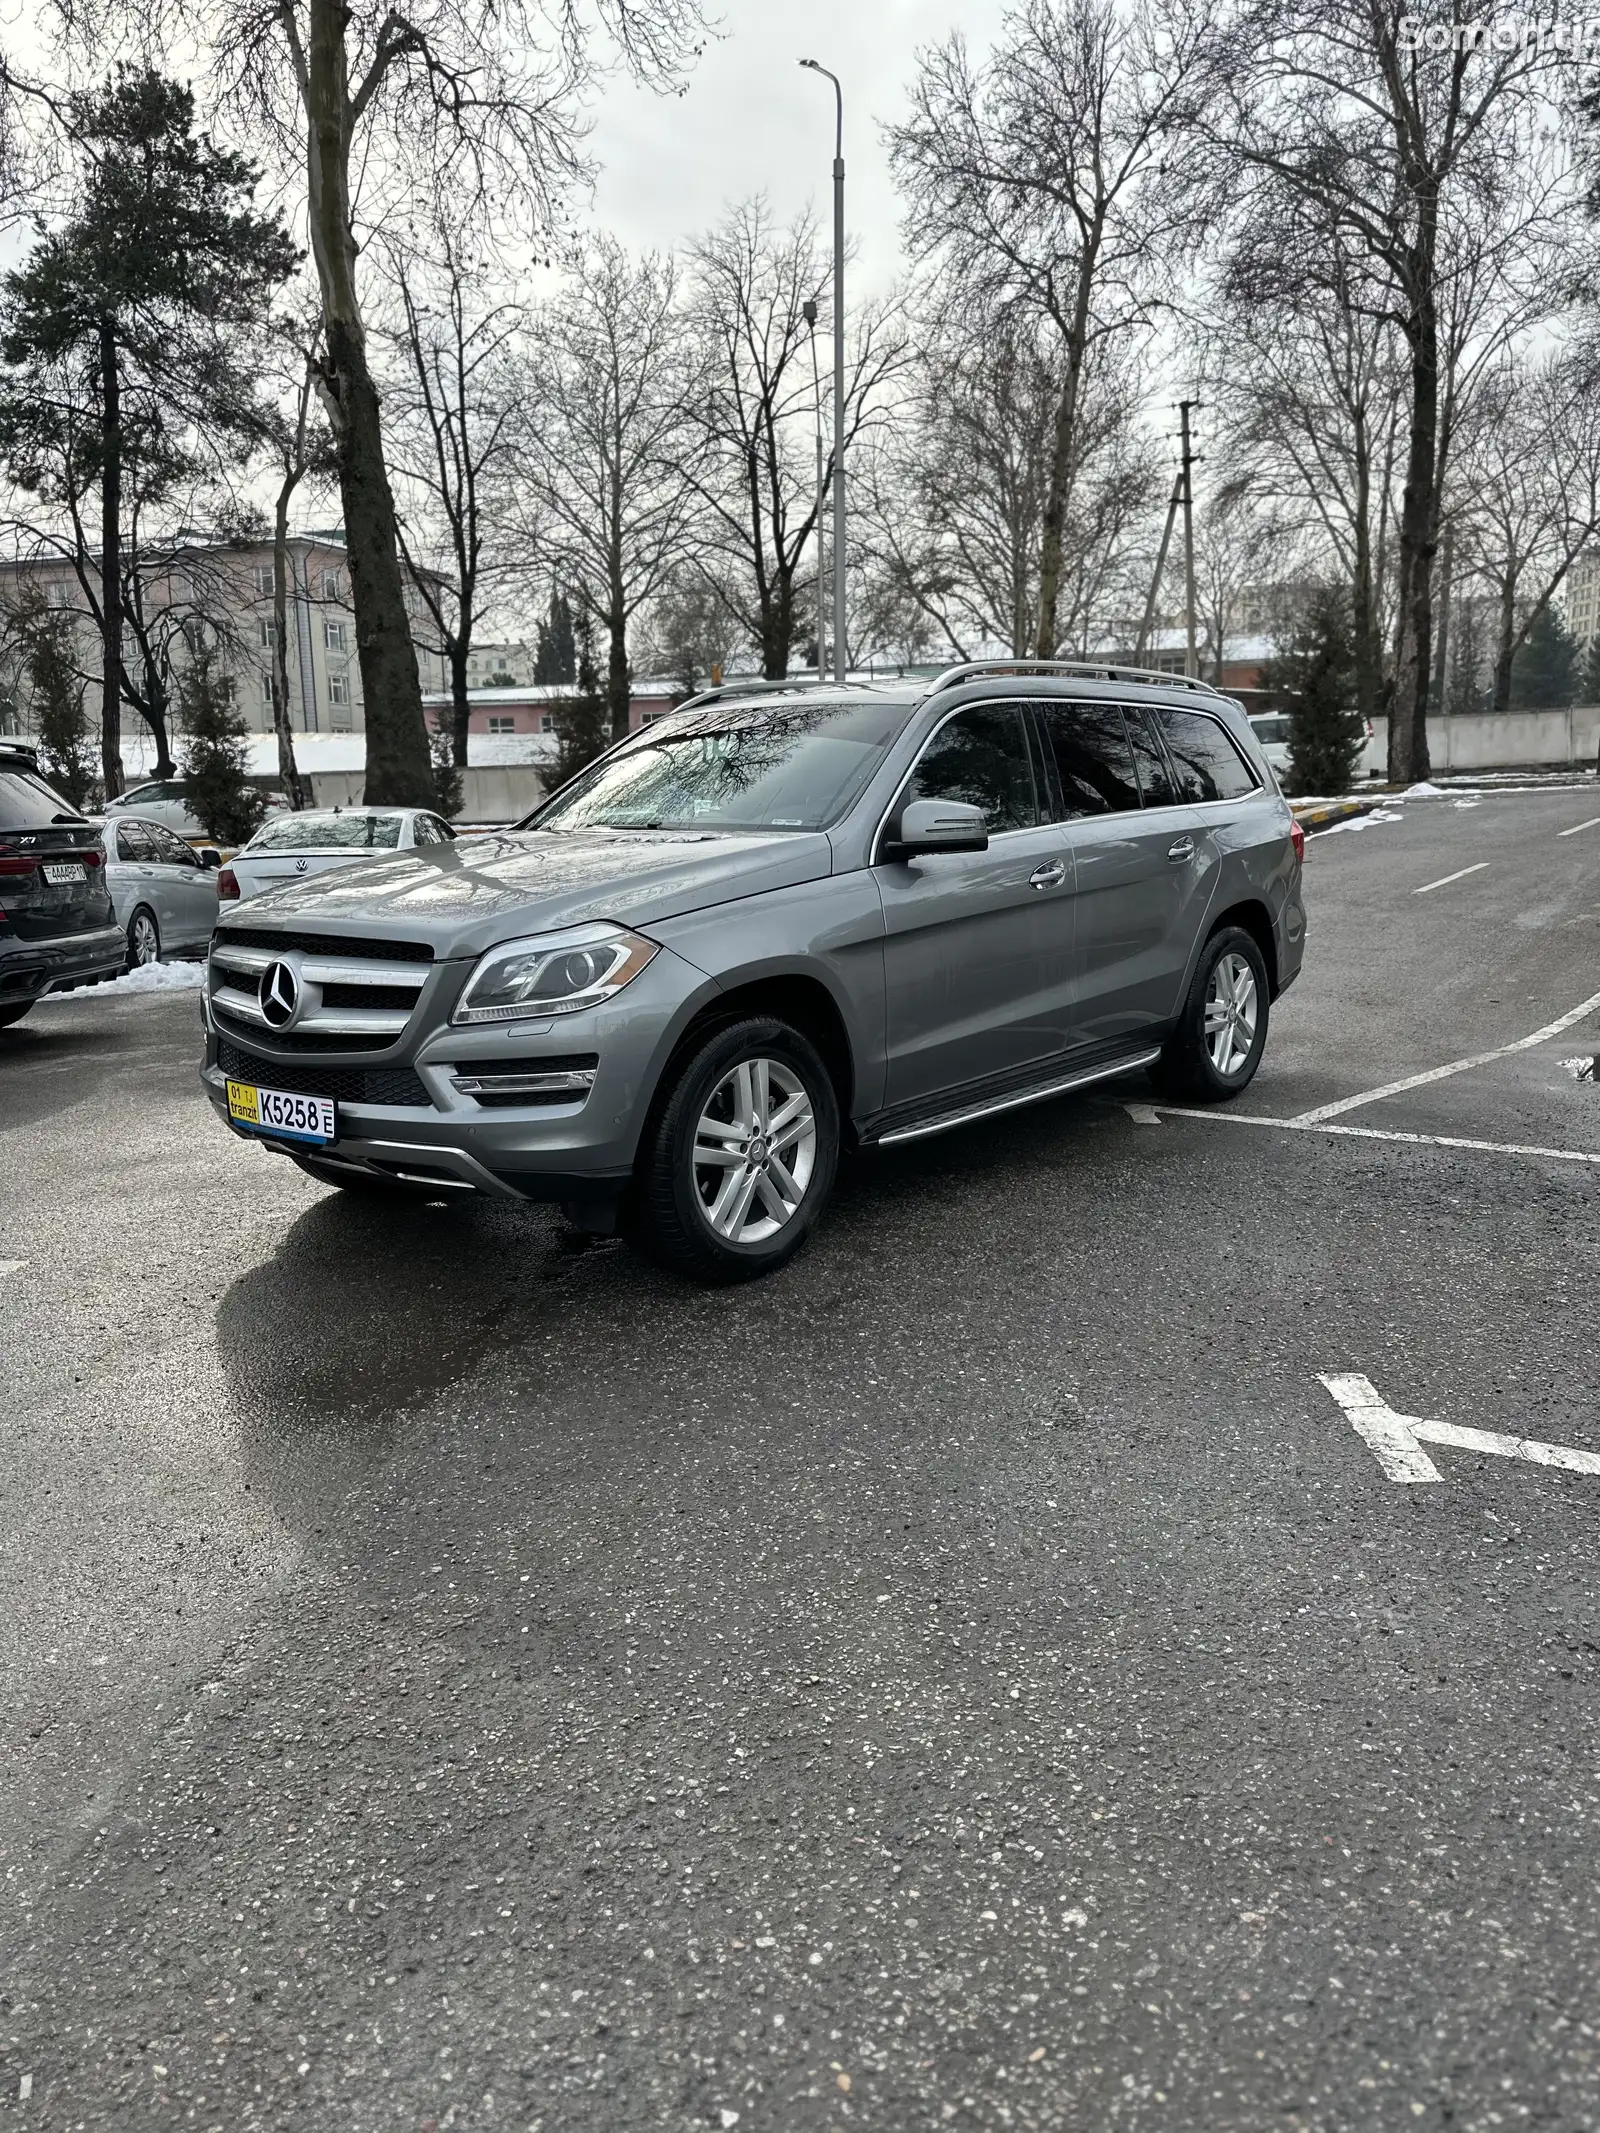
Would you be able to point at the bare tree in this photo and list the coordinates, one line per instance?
(605, 452)
(1052, 177)
(454, 421)
(753, 462)
(1403, 141)
(299, 447)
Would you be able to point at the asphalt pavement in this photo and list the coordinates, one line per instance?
(979, 1677)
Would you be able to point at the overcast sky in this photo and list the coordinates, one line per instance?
(752, 121)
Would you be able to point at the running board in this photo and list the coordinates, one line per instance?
(922, 1129)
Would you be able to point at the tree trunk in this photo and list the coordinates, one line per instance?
(288, 769)
(1419, 519)
(619, 682)
(399, 769)
(460, 703)
(1062, 444)
(110, 562)
(777, 624)
(1505, 644)
(1363, 598)
(1441, 659)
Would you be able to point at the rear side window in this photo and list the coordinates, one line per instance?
(136, 844)
(1094, 762)
(27, 803)
(981, 756)
(1155, 777)
(1208, 765)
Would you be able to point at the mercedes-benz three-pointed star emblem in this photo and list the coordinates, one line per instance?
(279, 995)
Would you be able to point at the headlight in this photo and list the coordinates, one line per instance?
(553, 974)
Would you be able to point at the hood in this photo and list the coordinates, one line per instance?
(462, 898)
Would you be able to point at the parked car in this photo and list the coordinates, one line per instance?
(1271, 729)
(165, 800)
(164, 891)
(57, 926)
(288, 847)
(774, 922)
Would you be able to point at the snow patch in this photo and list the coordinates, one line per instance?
(149, 977)
(1359, 822)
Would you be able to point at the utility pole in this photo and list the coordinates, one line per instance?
(840, 645)
(1161, 563)
(808, 311)
(1191, 663)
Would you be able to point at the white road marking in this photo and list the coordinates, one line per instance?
(1592, 823)
(1143, 1114)
(1378, 1133)
(1397, 1440)
(1456, 1066)
(1445, 880)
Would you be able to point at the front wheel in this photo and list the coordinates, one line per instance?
(740, 1159)
(144, 938)
(1215, 1049)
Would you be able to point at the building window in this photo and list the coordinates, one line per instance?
(546, 723)
(332, 585)
(58, 593)
(263, 581)
(502, 725)
(264, 633)
(338, 689)
(333, 636)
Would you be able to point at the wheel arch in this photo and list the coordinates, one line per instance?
(1252, 916)
(795, 996)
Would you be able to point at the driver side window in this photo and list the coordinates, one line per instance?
(981, 756)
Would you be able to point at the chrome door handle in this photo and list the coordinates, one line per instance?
(1049, 876)
(1181, 848)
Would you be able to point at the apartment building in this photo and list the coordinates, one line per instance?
(225, 588)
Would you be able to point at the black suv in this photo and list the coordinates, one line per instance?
(56, 923)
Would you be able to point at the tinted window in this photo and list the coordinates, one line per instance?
(794, 767)
(170, 847)
(1155, 779)
(1094, 763)
(135, 844)
(981, 757)
(27, 803)
(1209, 767)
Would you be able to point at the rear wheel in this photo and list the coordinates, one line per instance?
(740, 1159)
(1215, 1049)
(144, 938)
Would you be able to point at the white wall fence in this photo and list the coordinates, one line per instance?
(1504, 740)
(490, 792)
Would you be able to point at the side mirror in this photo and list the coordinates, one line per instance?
(940, 826)
(209, 857)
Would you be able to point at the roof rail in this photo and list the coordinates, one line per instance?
(756, 686)
(1094, 669)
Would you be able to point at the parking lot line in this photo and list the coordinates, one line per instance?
(1397, 1440)
(1444, 880)
(1310, 1124)
(1454, 1066)
(1592, 823)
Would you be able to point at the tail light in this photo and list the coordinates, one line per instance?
(93, 859)
(17, 866)
(227, 884)
(1297, 837)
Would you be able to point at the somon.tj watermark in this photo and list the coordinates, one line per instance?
(1578, 39)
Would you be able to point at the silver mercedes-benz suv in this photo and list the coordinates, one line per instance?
(784, 919)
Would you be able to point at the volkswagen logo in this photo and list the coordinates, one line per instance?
(279, 994)
(300, 865)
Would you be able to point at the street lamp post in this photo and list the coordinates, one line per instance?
(840, 648)
(808, 311)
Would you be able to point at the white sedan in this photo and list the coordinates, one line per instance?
(289, 847)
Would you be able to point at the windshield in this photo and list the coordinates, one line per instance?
(795, 768)
(328, 833)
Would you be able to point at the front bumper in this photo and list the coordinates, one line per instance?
(578, 1151)
(29, 968)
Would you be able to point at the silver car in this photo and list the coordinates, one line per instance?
(163, 891)
(166, 800)
(768, 927)
(288, 847)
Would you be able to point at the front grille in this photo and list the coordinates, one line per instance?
(402, 996)
(347, 1085)
(329, 944)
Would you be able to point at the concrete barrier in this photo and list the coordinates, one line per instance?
(1503, 740)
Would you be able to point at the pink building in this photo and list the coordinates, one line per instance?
(528, 710)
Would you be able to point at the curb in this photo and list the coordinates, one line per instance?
(1315, 818)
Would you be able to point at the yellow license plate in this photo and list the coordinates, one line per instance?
(292, 1118)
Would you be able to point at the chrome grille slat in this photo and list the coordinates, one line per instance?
(376, 1027)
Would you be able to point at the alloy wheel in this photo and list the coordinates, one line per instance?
(755, 1147)
(1232, 1008)
(146, 941)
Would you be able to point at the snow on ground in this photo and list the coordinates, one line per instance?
(149, 977)
(1359, 822)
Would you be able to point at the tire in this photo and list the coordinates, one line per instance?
(760, 1071)
(144, 938)
(15, 1013)
(1229, 992)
